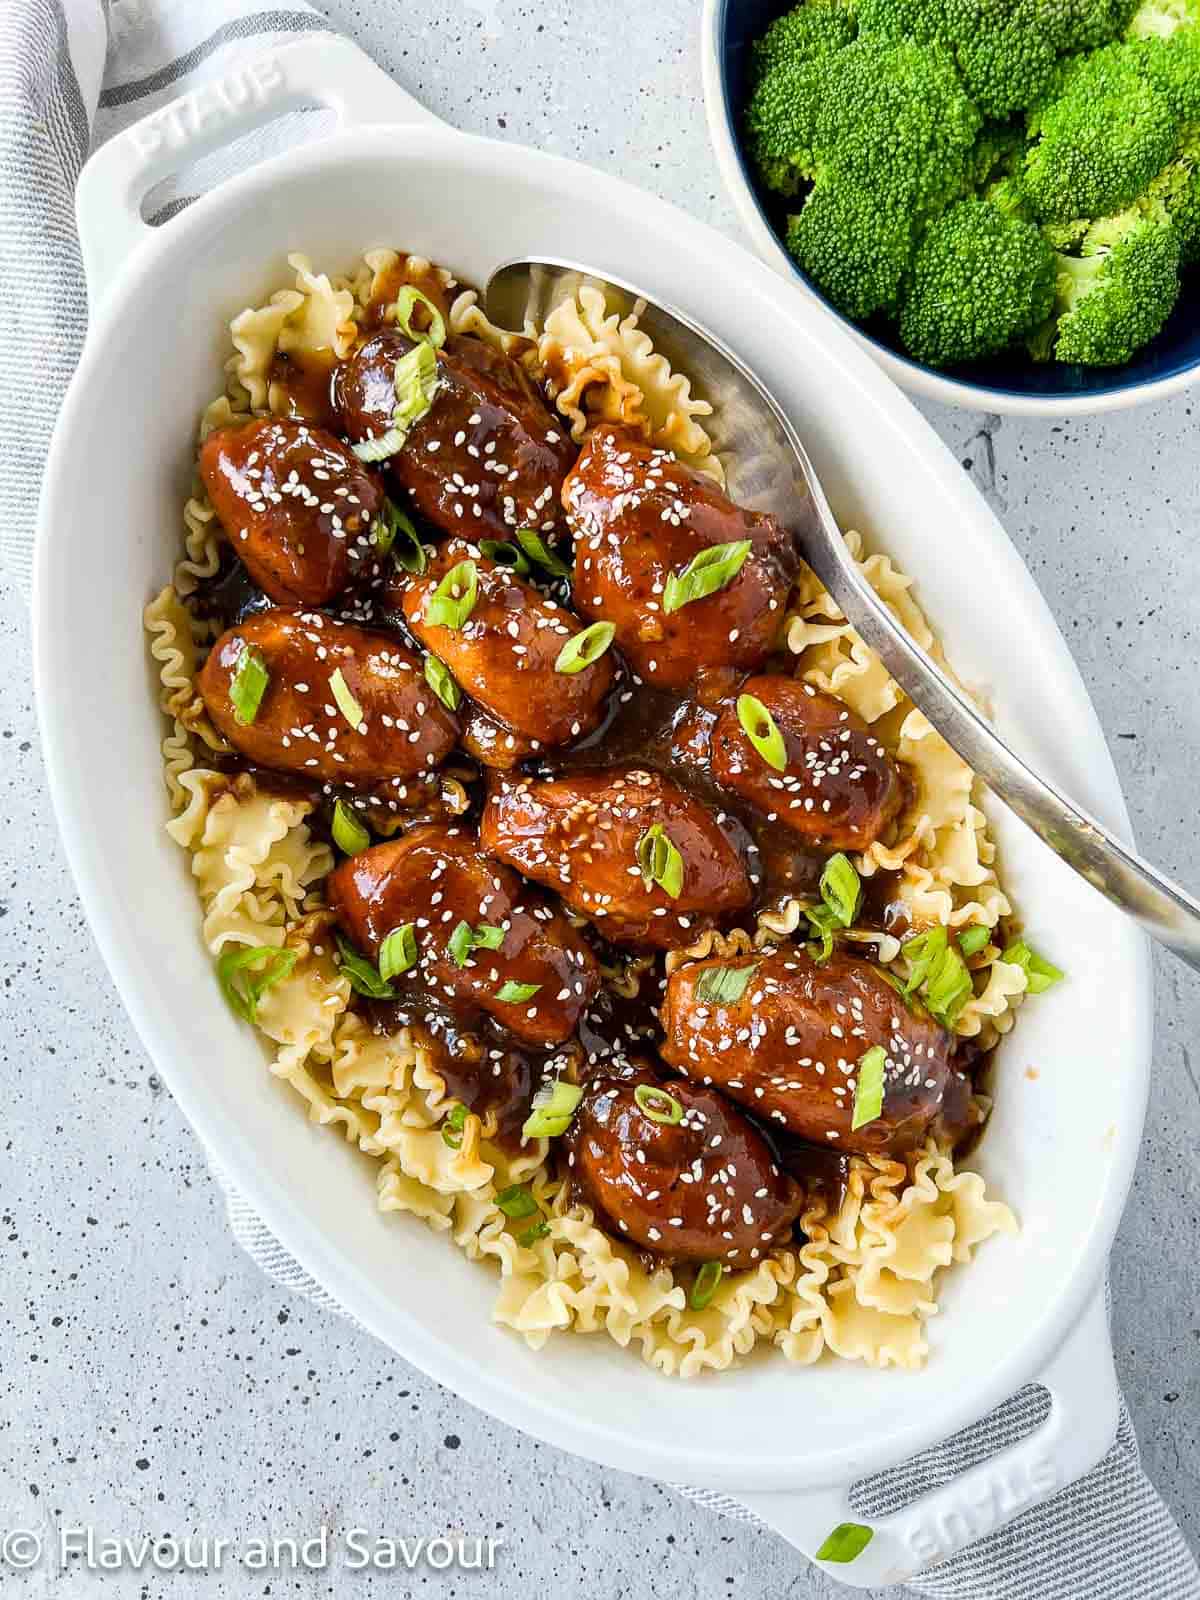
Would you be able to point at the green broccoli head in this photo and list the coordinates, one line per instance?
(1004, 49)
(815, 29)
(1007, 196)
(1174, 196)
(884, 133)
(1158, 19)
(1173, 66)
(982, 280)
(1007, 61)
(781, 125)
(896, 117)
(1100, 139)
(1085, 24)
(1116, 296)
(855, 250)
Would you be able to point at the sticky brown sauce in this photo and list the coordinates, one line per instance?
(486, 1068)
(405, 271)
(300, 384)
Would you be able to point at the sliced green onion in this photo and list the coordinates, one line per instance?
(841, 888)
(724, 985)
(461, 943)
(513, 994)
(454, 598)
(398, 952)
(660, 861)
(349, 834)
(452, 1126)
(1039, 972)
(972, 940)
(711, 570)
(505, 554)
(244, 989)
(585, 647)
(846, 1543)
(892, 981)
(488, 938)
(553, 1107)
(395, 524)
(401, 312)
(923, 953)
(822, 922)
(381, 446)
(948, 988)
(517, 1202)
(532, 1235)
(248, 684)
(536, 549)
(868, 1092)
(383, 530)
(441, 681)
(658, 1105)
(704, 1285)
(762, 730)
(346, 703)
(416, 383)
(364, 978)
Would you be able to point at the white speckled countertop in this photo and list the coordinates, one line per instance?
(152, 1379)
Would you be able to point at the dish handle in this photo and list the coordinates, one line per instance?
(320, 70)
(1075, 1435)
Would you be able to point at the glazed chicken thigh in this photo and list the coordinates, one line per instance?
(486, 458)
(296, 504)
(790, 1047)
(593, 836)
(641, 519)
(677, 1169)
(338, 703)
(505, 654)
(436, 880)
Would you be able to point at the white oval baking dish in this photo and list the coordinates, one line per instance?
(1063, 1141)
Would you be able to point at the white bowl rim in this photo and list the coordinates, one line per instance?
(366, 1299)
(910, 375)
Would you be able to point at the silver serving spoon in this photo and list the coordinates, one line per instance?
(769, 470)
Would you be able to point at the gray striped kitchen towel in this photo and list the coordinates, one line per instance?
(72, 73)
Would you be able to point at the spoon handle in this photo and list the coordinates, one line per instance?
(1163, 909)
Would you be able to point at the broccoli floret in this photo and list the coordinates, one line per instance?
(781, 125)
(1086, 24)
(1100, 139)
(855, 249)
(1115, 296)
(895, 117)
(1171, 197)
(1004, 49)
(883, 132)
(1158, 19)
(1008, 197)
(1006, 64)
(982, 280)
(1173, 66)
(815, 29)
(1174, 196)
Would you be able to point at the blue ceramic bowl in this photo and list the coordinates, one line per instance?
(1006, 383)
